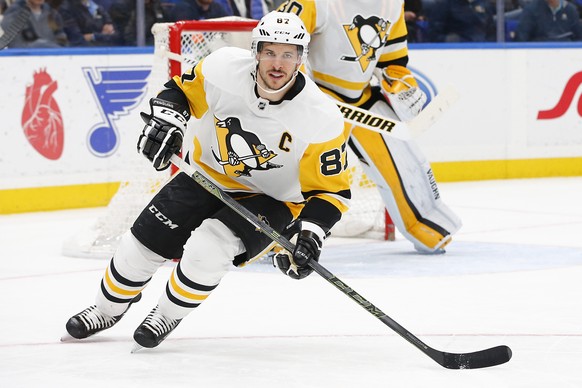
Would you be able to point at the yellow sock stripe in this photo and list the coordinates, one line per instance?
(117, 289)
(184, 293)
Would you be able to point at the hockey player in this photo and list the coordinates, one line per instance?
(350, 41)
(265, 133)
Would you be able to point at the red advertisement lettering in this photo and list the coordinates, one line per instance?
(565, 100)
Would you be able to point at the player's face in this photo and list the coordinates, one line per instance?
(277, 63)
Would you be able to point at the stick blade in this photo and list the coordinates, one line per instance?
(481, 359)
(433, 111)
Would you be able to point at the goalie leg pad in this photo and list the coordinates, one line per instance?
(207, 257)
(126, 276)
(407, 186)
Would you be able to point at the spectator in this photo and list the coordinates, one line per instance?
(154, 13)
(251, 9)
(168, 5)
(413, 19)
(3, 7)
(196, 10)
(120, 12)
(88, 24)
(460, 21)
(44, 28)
(106, 4)
(55, 4)
(274, 4)
(549, 20)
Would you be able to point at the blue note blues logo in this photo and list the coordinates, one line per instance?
(117, 90)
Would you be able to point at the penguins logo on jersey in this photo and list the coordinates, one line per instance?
(366, 35)
(240, 151)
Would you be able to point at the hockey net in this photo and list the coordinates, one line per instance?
(186, 42)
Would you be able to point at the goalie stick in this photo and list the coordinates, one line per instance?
(17, 25)
(473, 360)
(376, 122)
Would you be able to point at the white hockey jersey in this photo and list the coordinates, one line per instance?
(349, 39)
(292, 150)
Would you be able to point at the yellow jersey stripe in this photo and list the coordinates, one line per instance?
(338, 81)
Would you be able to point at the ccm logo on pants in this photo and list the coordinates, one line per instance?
(165, 220)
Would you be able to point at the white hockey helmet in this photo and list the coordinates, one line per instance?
(281, 27)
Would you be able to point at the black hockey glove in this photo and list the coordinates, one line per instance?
(163, 133)
(308, 238)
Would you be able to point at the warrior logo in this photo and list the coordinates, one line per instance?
(41, 119)
(366, 36)
(241, 151)
(117, 91)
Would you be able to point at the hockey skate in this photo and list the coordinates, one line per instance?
(153, 330)
(91, 321)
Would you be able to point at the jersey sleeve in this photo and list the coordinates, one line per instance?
(191, 83)
(325, 182)
(395, 51)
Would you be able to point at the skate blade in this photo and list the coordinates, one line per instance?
(68, 338)
(136, 348)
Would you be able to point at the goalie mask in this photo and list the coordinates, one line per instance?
(283, 28)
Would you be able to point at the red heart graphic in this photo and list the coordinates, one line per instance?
(42, 121)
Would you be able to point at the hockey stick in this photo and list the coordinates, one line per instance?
(480, 359)
(376, 122)
(224, 162)
(17, 25)
(400, 129)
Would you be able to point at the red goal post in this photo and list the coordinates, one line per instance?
(192, 41)
(191, 34)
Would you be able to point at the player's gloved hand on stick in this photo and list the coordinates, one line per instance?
(163, 133)
(402, 91)
(308, 239)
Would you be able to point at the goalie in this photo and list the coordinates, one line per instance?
(264, 133)
(350, 40)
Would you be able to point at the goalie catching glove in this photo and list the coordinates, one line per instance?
(402, 91)
(308, 239)
(163, 133)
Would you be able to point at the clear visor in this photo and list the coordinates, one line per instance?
(286, 58)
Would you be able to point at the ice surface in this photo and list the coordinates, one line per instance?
(511, 276)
